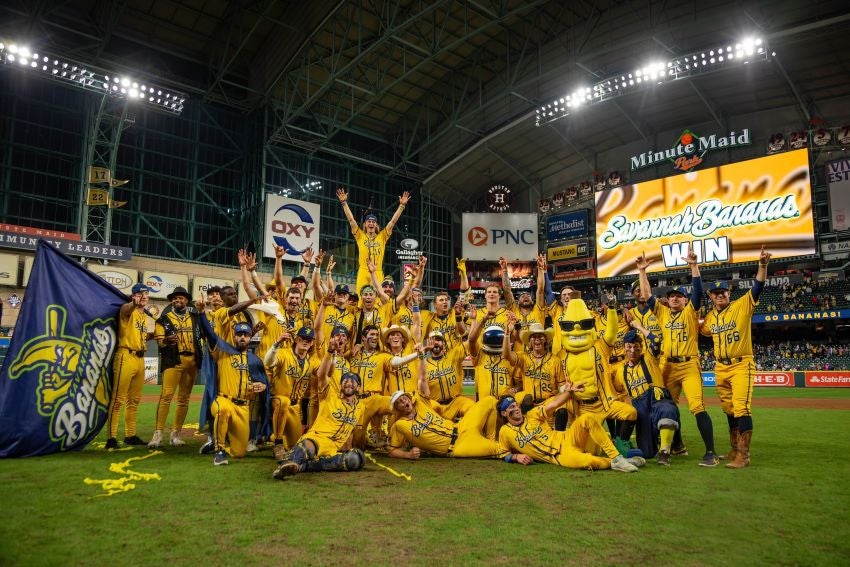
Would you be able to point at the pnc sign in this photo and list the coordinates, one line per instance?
(293, 225)
(490, 236)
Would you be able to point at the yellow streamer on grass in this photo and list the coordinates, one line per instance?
(388, 469)
(125, 483)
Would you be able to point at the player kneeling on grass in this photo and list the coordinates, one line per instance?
(658, 415)
(325, 446)
(530, 438)
(420, 426)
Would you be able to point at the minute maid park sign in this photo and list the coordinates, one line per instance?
(690, 149)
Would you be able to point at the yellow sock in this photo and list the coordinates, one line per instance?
(667, 438)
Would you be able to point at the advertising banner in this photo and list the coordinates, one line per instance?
(568, 251)
(489, 236)
(784, 379)
(9, 269)
(567, 226)
(802, 316)
(163, 283)
(725, 213)
(200, 284)
(291, 224)
(122, 278)
(828, 379)
(838, 176)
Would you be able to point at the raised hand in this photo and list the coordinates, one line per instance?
(251, 261)
(503, 264)
(691, 258)
(307, 255)
(641, 262)
(331, 264)
(461, 264)
(279, 251)
(320, 257)
(341, 195)
(370, 265)
(764, 257)
(404, 199)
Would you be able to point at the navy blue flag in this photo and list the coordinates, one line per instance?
(57, 376)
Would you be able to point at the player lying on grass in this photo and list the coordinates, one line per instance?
(530, 438)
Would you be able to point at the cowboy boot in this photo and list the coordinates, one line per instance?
(742, 458)
(733, 442)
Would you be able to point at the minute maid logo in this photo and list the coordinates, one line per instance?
(72, 373)
(689, 149)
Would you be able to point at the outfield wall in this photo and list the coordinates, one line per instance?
(791, 379)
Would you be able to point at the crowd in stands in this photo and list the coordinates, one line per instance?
(791, 356)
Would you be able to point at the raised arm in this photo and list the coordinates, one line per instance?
(645, 288)
(463, 279)
(540, 297)
(245, 274)
(329, 274)
(761, 275)
(696, 281)
(509, 354)
(420, 272)
(343, 198)
(305, 267)
(402, 203)
(421, 376)
(474, 332)
(316, 281)
(278, 268)
(506, 284)
(611, 322)
(382, 295)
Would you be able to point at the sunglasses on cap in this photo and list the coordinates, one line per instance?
(387, 284)
(584, 324)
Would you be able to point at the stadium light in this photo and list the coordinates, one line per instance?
(90, 79)
(655, 73)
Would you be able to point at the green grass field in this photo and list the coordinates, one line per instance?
(788, 508)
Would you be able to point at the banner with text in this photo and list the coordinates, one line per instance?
(725, 213)
(567, 226)
(489, 236)
(163, 283)
(9, 269)
(774, 379)
(828, 379)
(568, 251)
(291, 224)
(838, 176)
(200, 284)
(801, 316)
(122, 278)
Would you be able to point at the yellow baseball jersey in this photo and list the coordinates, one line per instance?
(336, 419)
(363, 319)
(535, 315)
(648, 319)
(371, 367)
(445, 374)
(493, 375)
(446, 324)
(182, 324)
(679, 331)
(540, 376)
(622, 329)
(233, 377)
(223, 323)
(335, 317)
(341, 366)
(371, 247)
(730, 328)
(308, 309)
(403, 316)
(427, 430)
(133, 331)
(401, 377)
(500, 319)
(289, 375)
(534, 437)
(642, 376)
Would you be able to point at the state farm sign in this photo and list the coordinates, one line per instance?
(828, 379)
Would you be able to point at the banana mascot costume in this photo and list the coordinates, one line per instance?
(585, 361)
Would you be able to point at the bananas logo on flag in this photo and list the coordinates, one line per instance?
(56, 379)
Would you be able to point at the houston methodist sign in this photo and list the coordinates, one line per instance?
(488, 236)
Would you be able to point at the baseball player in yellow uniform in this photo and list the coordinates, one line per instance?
(529, 310)
(494, 374)
(446, 320)
(680, 367)
(129, 367)
(289, 366)
(370, 364)
(729, 324)
(326, 446)
(444, 370)
(420, 426)
(371, 239)
(179, 338)
(528, 438)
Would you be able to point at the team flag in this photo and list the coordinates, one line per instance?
(57, 376)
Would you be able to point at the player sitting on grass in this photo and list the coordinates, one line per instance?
(530, 438)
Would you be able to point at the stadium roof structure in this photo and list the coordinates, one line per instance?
(445, 92)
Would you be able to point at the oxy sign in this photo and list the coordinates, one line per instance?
(488, 236)
(292, 225)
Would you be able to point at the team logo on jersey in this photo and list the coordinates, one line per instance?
(72, 374)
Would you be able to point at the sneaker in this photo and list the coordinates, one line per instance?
(252, 446)
(636, 461)
(207, 447)
(680, 451)
(664, 458)
(220, 458)
(175, 439)
(111, 444)
(709, 460)
(156, 440)
(619, 463)
(134, 440)
(287, 468)
(279, 452)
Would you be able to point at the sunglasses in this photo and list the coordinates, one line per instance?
(584, 324)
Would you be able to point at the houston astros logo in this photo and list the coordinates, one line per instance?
(477, 236)
(294, 234)
(72, 388)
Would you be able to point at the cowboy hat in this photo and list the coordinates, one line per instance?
(393, 328)
(536, 329)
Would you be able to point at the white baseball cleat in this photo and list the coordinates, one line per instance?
(619, 463)
(156, 440)
(175, 439)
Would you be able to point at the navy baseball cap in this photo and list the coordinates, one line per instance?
(306, 333)
(298, 278)
(242, 329)
(338, 330)
(341, 288)
(349, 376)
(681, 289)
(505, 403)
(718, 285)
(631, 337)
(138, 288)
(371, 216)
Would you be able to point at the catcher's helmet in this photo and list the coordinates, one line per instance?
(492, 339)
